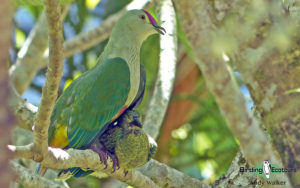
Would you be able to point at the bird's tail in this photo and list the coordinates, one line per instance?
(73, 172)
(40, 170)
(64, 174)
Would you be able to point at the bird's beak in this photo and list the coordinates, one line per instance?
(159, 29)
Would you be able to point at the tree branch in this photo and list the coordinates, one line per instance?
(28, 179)
(148, 176)
(53, 76)
(166, 74)
(164, 176)
(24, 111)
(221, 83)
(234, 177)
(56, 158)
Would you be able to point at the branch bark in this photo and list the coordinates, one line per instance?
(165, 176)
(24, 111)
(28, 179)
(56, 158)
(234, 178)
(166, 74)
(53, 76)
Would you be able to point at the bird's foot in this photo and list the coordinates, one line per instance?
(104, 154)
(115, 161)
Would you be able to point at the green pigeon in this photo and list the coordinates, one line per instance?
(101, 95)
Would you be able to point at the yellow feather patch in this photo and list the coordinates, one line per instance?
(60, 139)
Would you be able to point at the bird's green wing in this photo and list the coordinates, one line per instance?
(89, 104)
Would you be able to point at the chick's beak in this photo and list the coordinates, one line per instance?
(159, 29)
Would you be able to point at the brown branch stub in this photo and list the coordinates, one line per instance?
(53, 76)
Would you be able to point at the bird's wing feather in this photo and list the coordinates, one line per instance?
(90, 103)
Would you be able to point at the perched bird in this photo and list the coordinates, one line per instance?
(101, 95)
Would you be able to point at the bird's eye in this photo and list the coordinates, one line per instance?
(142, 17)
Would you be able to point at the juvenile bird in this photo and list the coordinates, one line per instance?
(129, 143)
(97, 98)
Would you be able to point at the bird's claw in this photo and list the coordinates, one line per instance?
(104, 155)
(115, 161)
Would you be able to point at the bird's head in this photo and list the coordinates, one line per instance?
(141, 23)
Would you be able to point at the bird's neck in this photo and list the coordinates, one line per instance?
(128, 48)
(124, 46)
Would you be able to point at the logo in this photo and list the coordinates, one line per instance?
(267, 171)
(267, 168)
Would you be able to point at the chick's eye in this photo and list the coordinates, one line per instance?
(142, 17)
